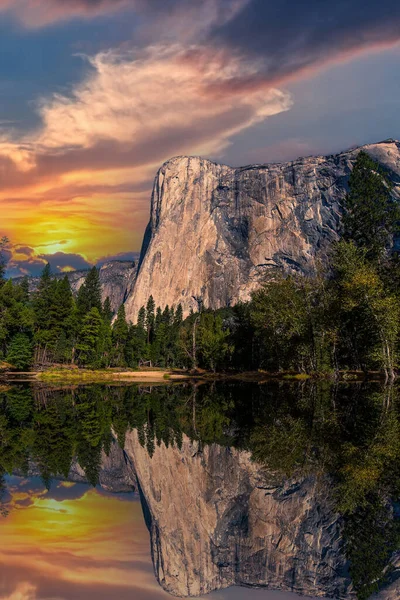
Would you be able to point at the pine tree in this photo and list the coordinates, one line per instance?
(89, 294)
(43, 298)
(150, 307)
(178, 315)
(89, 341)
(119, 337)
(61, 306)
(140, 337)
(372, 216)
(24, 287)
(20, 352)
(108, 313)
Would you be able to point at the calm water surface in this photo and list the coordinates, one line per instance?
(75, 542)
(64, 540)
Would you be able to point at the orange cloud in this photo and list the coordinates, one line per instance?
(85, 175)
(23, 591)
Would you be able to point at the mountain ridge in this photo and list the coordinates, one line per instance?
(215, 231)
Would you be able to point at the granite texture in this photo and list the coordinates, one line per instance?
(215, 232)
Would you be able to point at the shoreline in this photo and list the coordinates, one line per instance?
(159, 375)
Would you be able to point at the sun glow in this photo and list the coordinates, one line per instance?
(78, 536)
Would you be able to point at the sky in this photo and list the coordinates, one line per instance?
(75, 541)
(96, 94)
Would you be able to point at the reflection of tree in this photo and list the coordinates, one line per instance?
(20, 404)
(350, 432)
(372, 535)
(52, 444)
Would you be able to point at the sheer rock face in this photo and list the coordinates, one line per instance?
(215, 232)
(217, 519)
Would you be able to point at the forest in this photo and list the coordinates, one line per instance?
(343, 316)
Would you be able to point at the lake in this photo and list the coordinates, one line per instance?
(293, 486)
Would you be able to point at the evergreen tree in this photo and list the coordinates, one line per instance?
(119, 337)
(140, 337)
(43, 298)
(24, 287)
(89, 294)
(108, 313)
(150, 319)
(89, 341)
(20, 352)
(372, 216)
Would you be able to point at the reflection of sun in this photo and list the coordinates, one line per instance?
(67, 269)
(53, 247)
(92, 538)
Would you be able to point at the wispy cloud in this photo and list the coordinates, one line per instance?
(43, 12)
(106, 139)
(23, 591)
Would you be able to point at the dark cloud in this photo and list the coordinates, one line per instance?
(60, 260)
(33, 265)
(25, 250)
(129, 256)
(291, 35)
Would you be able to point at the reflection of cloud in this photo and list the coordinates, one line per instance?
(74, 542)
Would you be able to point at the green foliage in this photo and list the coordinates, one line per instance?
(89, 294)
(213, 341)
(120, 333)
(372, 216)
(372, 536)
(89, 344)
(107, 311)
(20, 352)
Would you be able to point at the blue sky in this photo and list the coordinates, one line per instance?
(96, 94)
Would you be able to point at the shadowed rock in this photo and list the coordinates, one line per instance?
(218, 519)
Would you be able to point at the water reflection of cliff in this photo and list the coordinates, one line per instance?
(312, 512)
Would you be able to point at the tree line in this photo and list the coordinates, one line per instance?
(344, 316)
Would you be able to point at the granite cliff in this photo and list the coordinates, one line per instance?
(215, 232)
